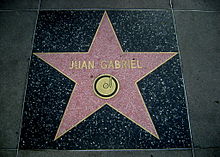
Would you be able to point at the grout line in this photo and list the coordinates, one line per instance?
(143, 9)
(39, 6)
(26, 80)
(8, 149)
(127, 9)
(171, 4)
(207, 148)
(10, 10)
(186, 10)
(184, 85)
(109, 150)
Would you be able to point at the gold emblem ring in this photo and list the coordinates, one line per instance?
(106, 86)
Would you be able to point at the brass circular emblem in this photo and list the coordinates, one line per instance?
(106, 86)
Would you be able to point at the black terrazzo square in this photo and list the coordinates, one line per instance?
(49, 90)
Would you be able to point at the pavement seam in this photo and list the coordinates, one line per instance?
(127, 9)
(184, 85)
(217, 147)
(195, 10)
(8, 149)
(11, 10)
(26, 80)
(147, 9)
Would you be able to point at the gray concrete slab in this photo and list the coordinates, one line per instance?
(157, 153)
(7, 153)
(68, 4)
(196, 4)
(15, 4)
(16, 29)
(209, 152)
(198, 35)
(161, 153)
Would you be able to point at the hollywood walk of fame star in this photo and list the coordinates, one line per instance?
(105, 48)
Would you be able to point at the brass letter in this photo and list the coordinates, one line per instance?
(117, 64)
(71, 65)
(133, 63)
(111, 65)
(91, 65)
(84, 65)
(138, 65)
(103, 65)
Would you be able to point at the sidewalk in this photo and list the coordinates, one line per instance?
(198, 34)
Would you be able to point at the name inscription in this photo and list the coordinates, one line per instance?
(106, 64)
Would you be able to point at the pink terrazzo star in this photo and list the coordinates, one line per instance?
(84, 102)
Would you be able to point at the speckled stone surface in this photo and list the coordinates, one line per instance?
(49, 91)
